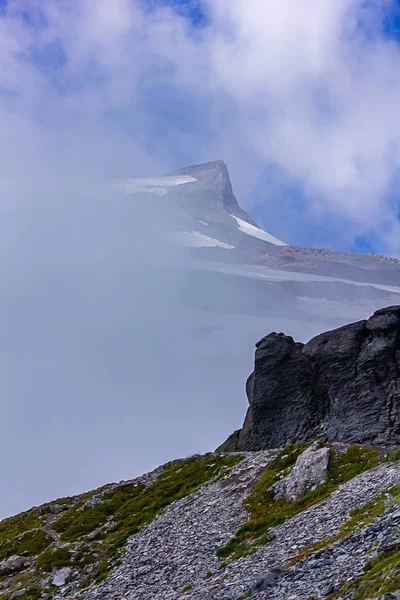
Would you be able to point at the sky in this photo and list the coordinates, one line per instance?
(300, 101)
(103, 375)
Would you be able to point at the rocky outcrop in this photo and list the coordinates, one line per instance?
(343, 385)
(14, 564)
(310, 470)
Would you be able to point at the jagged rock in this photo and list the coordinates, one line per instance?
(14, 564)
(61, 576)
(343, 385)
(17, 594)
(309, 471)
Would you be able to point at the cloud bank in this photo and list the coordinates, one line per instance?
(296, 96)
(310, 90)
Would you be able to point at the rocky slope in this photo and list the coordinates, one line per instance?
(209, 528)
(316, 516)
(343, 385)
(104, 315)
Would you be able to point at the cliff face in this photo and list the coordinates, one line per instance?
(343, 385)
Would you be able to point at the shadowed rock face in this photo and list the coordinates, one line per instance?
(343, 385)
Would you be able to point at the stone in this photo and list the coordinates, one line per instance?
(342, 386)
(61, 576)
(310, 470)
(17, 594)
(329, 588)
(56, 508)
(265, 582)
(14, 564)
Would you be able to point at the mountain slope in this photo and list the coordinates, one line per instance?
(299, 521)
(132, 316)
(73, 548)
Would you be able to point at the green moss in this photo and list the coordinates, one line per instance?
(32, 592)
(85, 556)
(133, 506)
(382, 574)
(266, 511)
(393, 454)
(103, 571)
(32, 542)
(187, 587)
(21, 523)
(53, 558)
(121, 511)
(358, 518)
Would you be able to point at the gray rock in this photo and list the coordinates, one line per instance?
(309, 471)
(341, 386)
(61, 576)
(270, 579)
(17, 594)
(14, 564)
(57, 508)
(329, 588)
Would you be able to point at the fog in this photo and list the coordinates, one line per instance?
(117, 354)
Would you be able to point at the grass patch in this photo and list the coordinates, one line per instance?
(266, 511)
(128, 508)
(358, 518)
(103, 527)
(382, 574)
(21, 523)
(54, 558)
(187, 587)
(393, 454)
(31, 542)
(103, 571)
(32, 593)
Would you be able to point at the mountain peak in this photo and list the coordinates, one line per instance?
(214, 177)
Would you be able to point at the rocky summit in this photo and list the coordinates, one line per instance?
(342, 386)
(302, 504)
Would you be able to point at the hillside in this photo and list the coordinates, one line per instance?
(219, 534)
(130, 311)
(318, 516)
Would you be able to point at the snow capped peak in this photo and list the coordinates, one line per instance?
(154, 185)
(257, 232)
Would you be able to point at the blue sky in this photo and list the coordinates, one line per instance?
(305, 115)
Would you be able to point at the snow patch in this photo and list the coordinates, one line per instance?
(194, 239)
(203, 223)
(257, 232)
(154, 185)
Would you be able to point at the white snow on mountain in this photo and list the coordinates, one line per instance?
(257, 232)
(194, 239)
(154, 185)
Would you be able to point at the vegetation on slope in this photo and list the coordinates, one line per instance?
(266, 511)
(92, 528)
(358, 518)
(381, 575)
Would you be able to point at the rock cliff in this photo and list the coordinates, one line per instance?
(342, 386)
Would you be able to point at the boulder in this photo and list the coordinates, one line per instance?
(61, 576)
(343, 385)
(310, 470)
(18, 593)
(14, 564)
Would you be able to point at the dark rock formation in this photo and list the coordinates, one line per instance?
(343, 385)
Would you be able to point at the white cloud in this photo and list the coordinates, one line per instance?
(302, 86)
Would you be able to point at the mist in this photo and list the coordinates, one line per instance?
(119, 352)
